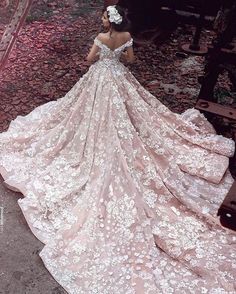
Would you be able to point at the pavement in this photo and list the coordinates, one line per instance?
(22, 270)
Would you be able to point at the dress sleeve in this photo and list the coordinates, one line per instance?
(97, 42)
(129, 43)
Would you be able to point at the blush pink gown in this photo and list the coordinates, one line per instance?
(123, 192)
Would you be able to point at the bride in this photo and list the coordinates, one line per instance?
(123, 192)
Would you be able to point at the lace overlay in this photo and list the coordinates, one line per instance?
(122, 191)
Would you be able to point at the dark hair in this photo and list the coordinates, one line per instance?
(123, 26)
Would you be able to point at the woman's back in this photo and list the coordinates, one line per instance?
(114, 41)
(112, 47)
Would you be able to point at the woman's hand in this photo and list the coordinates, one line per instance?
(128, 55)
(124, 56)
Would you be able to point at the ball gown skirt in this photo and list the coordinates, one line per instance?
(123, 192)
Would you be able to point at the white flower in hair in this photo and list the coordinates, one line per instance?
(114, 15)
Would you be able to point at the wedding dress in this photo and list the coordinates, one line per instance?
(123, 192)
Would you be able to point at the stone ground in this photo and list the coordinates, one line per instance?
(47, 60)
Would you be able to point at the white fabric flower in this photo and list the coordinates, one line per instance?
(114, 15)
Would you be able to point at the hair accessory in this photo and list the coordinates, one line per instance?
(114, 15)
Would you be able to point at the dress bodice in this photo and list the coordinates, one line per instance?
(108, 54)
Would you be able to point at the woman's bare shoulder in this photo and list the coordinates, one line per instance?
(102, 36)
(127, 35)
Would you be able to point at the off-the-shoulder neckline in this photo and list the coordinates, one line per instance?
(117, 47)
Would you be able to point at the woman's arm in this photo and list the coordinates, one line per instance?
(93, 53)
(128, 55)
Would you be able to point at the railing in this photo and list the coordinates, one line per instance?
(12, 30)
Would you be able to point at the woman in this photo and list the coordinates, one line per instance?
(122, 191)
(114, 37)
